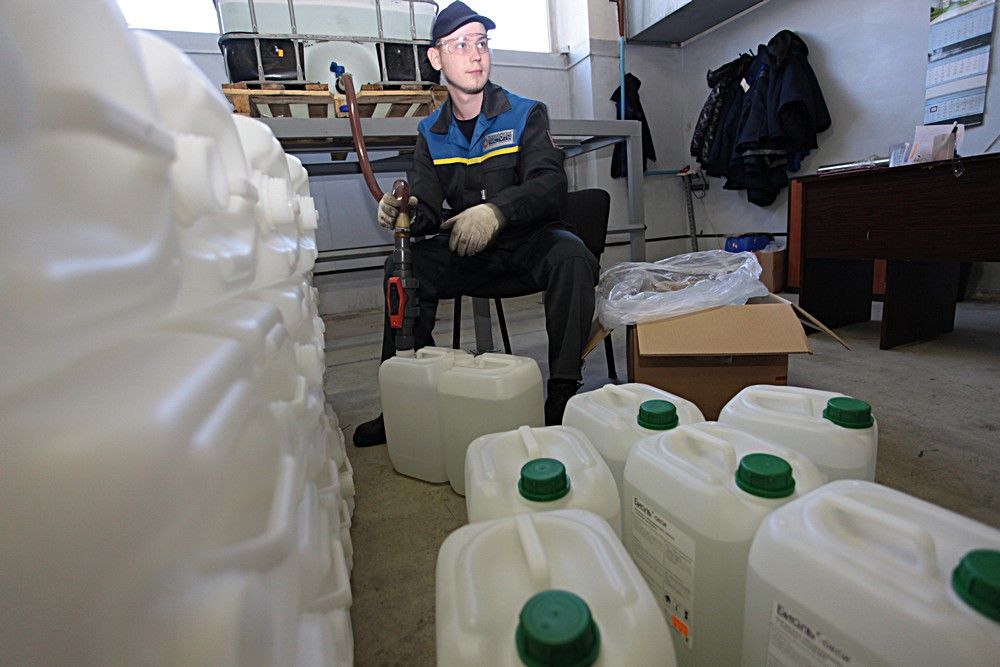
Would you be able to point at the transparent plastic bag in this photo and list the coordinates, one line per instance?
(633, 292)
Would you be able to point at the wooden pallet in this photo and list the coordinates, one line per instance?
(279, 100)
(313, 100)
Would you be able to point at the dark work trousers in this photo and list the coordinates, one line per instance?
(554, 260)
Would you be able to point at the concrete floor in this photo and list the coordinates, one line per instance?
(937, 402)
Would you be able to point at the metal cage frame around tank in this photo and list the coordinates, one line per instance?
(299, 40)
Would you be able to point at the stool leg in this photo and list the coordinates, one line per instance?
(503, 326)
(456, 333)
(609, 352)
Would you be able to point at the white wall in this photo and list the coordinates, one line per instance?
(569, 23)
(602, 18)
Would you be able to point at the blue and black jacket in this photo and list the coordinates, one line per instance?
(510, 162)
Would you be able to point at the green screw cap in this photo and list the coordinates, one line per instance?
(543, 480)
(977, 581)
(556, 629)
(765, 475)
(657, 415)
(849, 412)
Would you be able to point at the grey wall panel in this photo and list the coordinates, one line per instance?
(202, 48)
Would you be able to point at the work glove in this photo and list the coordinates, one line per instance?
(473, 229)
(388, 210)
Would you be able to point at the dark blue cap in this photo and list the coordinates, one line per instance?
(453, 17)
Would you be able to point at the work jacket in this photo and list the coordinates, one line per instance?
(511, 162)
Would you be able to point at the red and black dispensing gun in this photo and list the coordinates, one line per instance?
(402, 298)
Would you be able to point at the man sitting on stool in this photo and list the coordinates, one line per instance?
(489, 154)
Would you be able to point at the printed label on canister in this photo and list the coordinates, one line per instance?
(665, 556)
(795, 642)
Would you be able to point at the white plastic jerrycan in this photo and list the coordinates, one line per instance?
(837, 433)
(277, 226)
(409, 388)
(324, 632)
(213, 197)
(696, 495)
(859, 574)
(552, 588)
(88, 256)
(489, 393)
(259, 328)
(294, 299)
(257, 543)
(114, 474)
(615, 417)
(538, 470)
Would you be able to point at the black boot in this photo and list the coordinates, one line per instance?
(560, 391)
(370, 433)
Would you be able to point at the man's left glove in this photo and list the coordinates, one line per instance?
(473, 229)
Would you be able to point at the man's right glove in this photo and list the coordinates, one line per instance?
(388, 210)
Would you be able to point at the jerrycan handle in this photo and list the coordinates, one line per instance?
(335, 593)
(898, 534)
(496, 361)
(529, 442)
(623, 397)
(718, 446)
(270, 548)
(799, 400)
(534, 553)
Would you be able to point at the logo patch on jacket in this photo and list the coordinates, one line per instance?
(501, 138)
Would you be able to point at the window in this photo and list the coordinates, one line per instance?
(180, 15)
(522, 25)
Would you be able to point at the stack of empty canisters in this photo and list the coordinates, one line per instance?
(175, 489)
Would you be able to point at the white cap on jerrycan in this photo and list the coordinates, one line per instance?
(550, 588)
(615, 417)
(277, 226)
(695, 496)
(838, 433)
(85, 226)
(308, 216)
(213, 196)
(538, 470)
(857, 573)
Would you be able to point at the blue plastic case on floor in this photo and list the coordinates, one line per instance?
(747, 242)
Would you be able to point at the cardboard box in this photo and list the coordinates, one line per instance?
(707, 357)
(773, 266)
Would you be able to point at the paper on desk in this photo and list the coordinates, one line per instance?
(934, 142)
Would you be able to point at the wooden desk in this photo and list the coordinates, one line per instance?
(921, 218)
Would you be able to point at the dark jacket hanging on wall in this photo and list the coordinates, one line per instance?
(724, 84)
(775, 112)
(633, 111)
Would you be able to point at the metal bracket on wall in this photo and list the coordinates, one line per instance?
(693, 182)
